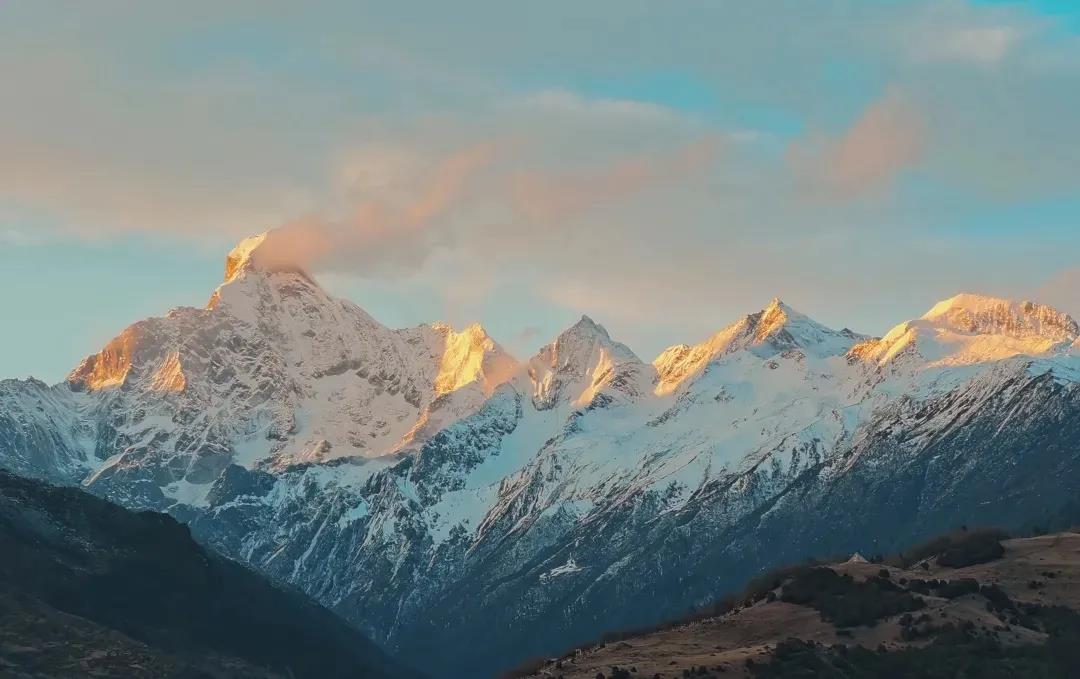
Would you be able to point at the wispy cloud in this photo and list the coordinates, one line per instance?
(553, 198)
(1062, 291)
(566, 102)
(17, 237)
(981, 45)
(885, 139)
(379, 235)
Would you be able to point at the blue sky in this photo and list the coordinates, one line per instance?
(663, 167)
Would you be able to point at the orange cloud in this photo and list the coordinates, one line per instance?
(448, 183)
(475, 203)
(884, 140)
(378, 235)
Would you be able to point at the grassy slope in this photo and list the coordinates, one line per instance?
(1014, 611)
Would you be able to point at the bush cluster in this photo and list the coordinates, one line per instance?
(957, 549)
(956, 651)
(845, 602)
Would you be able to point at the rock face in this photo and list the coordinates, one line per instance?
(447, 499)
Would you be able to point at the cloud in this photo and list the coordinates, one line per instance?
(621, 303)
(102, 156)
(967, 35)
(462, 158)
(565, 102)
(17, 237)
(984, 45)
(886, 139)
(474, 202)
(380, 235)
(553, 198)
(1061, 291)
(229, 130)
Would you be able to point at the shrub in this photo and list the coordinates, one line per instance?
(958, 588)
(956, 651)
(960, 548)
(845, 602)
(975, 548)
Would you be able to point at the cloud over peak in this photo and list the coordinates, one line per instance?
(506, 157)
(389, 233)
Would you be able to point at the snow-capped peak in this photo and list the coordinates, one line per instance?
(774, 329)
(581, 363)
(266, 252)
(268, 255)
(471, 356)
(581, 339)
(243, 257)
(786, 328)
(277, 369)
(978, 314)
(585, 327)
(967, 329)
(110, 366)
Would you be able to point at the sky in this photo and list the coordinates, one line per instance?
(664, 167)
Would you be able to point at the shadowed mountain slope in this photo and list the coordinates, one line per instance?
(91, 588)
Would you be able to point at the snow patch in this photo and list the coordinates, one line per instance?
(568, 568)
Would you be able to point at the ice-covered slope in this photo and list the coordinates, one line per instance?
(446, 498)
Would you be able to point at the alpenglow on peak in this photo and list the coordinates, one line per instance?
(243, 257)
(270, 251)
(981, 314)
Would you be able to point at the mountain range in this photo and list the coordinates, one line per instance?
(467, 510)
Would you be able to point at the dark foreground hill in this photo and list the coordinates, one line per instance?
(88, 588)
(969, 605)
